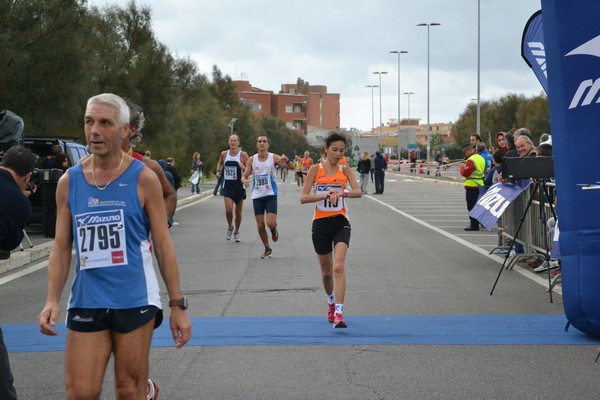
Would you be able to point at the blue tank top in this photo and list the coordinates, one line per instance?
(110, 231)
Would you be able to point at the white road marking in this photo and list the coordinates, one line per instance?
(542, 280)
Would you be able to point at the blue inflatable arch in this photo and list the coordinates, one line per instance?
(572, 46)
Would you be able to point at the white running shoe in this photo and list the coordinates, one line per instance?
(545, 267)
(152, 390)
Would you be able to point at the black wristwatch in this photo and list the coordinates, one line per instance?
(181, 303)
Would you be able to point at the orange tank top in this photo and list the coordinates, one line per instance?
(323, 183)
(306, 164)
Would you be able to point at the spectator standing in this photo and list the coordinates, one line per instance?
(473, 171)
(525, 146)
(483, 152)
(171, 180)
(474, 140)
(196, 173)
(176, 176)
(15, 210)
(510, 142)
(364, 167)
(501, 142)
(438, 160)
(48, 187)
(380, 167)
(413, 161)
(491, 176)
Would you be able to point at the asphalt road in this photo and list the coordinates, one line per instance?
(422, 322)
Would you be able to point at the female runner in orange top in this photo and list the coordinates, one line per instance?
(331, 228)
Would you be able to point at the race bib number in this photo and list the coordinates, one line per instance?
(261, 181)
(327, 205)
(101, 239)
(230, 173)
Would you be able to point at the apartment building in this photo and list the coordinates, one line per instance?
(389, 132)
(302, 106)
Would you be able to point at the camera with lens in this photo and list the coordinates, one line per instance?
(35, 178)
(44, 176)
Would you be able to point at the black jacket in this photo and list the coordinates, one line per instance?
(364, 166)
(15, 210)
(380, 163)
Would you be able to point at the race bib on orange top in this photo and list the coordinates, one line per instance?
(230, 173)
(326, 204)
(101, 239)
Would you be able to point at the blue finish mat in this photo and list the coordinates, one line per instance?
(362, 330)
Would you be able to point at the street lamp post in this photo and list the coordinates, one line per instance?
(408, 116)
(428, 24)
(478, 69)
(372, 110)
(399, 52)
(380, 121)
(231, 123)
(408, 95)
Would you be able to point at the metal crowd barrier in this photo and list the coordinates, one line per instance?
(533, 234)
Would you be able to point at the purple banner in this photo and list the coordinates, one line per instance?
(492, 204)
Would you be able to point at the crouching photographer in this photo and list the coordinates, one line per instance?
(15, 172)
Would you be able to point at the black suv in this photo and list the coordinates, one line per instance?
(42, 147)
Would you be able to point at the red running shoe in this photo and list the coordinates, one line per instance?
(274, 235)
(331, 312)
(338, 321)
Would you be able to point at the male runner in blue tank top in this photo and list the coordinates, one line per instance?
(264, 189)
(231, 165)
(109, 205)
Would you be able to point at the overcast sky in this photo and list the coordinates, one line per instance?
(340, 43)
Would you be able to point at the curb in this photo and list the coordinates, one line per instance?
(40, 251)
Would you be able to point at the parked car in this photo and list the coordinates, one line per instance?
(42, 147)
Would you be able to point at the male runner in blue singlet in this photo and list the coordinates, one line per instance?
(231, 165)
(109, 206)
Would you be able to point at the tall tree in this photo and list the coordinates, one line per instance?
(41, 48)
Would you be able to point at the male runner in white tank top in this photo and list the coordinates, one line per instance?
(264, 189)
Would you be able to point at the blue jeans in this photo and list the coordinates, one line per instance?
(218, 185)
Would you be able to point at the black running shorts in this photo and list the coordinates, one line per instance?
(327, 232)
(120, 321)
(235, 191)
(266, 203)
